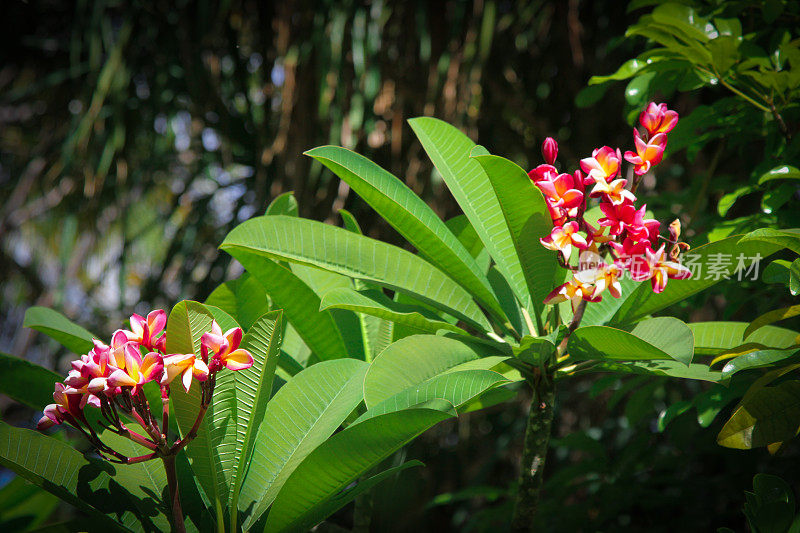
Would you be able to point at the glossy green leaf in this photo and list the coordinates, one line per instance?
(283, 204)
(65, 472)
(782, 238)
(299, 302)
(59, 328)
(528, 219)
(628, 69)
(411, 217)
(600, 313)
(755, 359)
(301, 416)
(375, 303)
(26, 382)
(350, 222)
(772, 317)
(712, 338)
(450, 151)
(769, 415)
(245, 299)
(656, 338)
(709, 263)
(411, 361)
(330, 468)
(783, 172)
(253, 388)
(338, 250)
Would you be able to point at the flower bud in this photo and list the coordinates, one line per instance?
(550, 150)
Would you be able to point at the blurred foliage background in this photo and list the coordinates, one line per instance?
(135, 135)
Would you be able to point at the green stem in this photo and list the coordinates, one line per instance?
(534, 453)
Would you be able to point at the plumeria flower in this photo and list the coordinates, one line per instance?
(550, 150)
(595, 235)
(573, 290)
(656, 118)
(185, 365)
(615, 191)
(137, 371)
(604, 165)
(67, 404)
(543, 172)
(659, 269)
(144, 331)
(225, 347)
(647, 153)
(563, 192)
(563, 238)
(620, 217)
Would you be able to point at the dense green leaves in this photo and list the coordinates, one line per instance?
(338, 250)
(341, 460)
(59, 328)
(765, 416)
(302, 415)
(410, 216)
(712, 338)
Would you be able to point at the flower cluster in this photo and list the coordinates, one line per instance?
(632, 241)
(110, 377)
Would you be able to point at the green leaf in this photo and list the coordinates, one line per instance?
(187, 322)
(783, 172)
(375, 303)
(27, 383)
(450, 151)
(65, 472)
(253, 388)
(458, 387)
(411, 217)
(710, 264)
(527, 218)
(341, 460)
(59, 328)
(783, 238)
(628, 69)
(656, 338)
(338, 250)
(284, 204)
(772, 317)
(301, 416)
(712, 338)
(600, 313)
(299, 302)
(413, 360)
(767, 416)
(666, 368)
(350, 222)
(244, 299)
(756, 358)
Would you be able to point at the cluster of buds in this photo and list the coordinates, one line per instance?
(111, 376)
(632, 241)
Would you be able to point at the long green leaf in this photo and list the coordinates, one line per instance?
(450, 150)
(253, 389)
(771, 317)
(667, 368)
(412, 361)
(712, 338)
(527, 218)
(26, 382)
(303, 413)
(65, 472)
(341, 460)
(186, 324)
(643, 301)
(338, 250)
(59, 328)
(299, 302)
(657, 338)
(375, 303)
(411, 217)
(767, 416)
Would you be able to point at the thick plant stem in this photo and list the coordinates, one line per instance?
(174, 494)
(534, 453)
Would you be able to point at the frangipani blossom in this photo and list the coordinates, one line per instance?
(656, 118)
(185, 365)
(573, 290)
(144, 331)
(647, 153)
(620, 217)
(137, 371)
(604, 165)
(563, 192)
(225, 348)
(615, 191)
(543, 172)
(603, 277)
(563, 238)
(550, 150)
(68, 404)
(659, 269)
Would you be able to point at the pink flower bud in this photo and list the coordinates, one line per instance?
(550, 150)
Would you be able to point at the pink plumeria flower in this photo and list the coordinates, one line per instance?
(144, 331)
(656, 118)
(604, 165)
(68, 404)
(573, 290)
(562, 191)
(550, 150)
(660, 269)
(188, 366)
(615, 191)
(620, 217)
(563, 238)
(138, 371)
(648, 153)
(225, 347)
(603, 277)
(543, 172)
